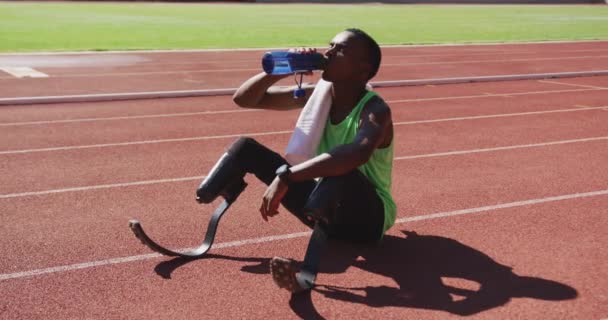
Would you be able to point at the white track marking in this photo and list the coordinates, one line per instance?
(572, 84)
(389, 55)
(148, 73)
(240, 243)
(231, 91)
(164, 115)
(24, 72)
(480, 61)
(95, 187)
(119, 144)
(403, 64)
(503, 206)
(430, 155)
(522, 146)
(506, 95)
(131, 143)
(504, 115)
(468, 44)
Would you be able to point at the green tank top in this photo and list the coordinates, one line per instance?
(379, 167)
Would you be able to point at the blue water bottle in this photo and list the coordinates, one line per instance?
(285, 62)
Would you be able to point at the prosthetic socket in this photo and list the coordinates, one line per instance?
(225, 179)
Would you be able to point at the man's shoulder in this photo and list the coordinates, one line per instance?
(377, 106)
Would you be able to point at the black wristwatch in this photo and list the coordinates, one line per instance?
(283, 173)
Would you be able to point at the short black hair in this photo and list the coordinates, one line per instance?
(373, 49)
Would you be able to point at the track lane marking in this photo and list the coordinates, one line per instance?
(147, 73)
(572, 84)
(122, 144)
(24, 72)
(105, 97)
(522, 146)
(495, 95)
(430, 155)
(99, 186)
(162, 115)
(404, 64)
(141, 142)
(388, 55)
(502, 115)
(240, 243)
(500, 44)
(494, 60)
(168, 115)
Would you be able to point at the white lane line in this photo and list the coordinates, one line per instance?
(495, 95)
(120, 144)
(395, 55)
(493, 60)
(230, 91)
(250, 61)
(65, 148)
(572, 84)
(403, 64)
(167, 115)
(503, 206)
(147, 73)
(163, 115)
(522, 146)
(499, 50)
(95, 187)
(500, 44)
(239, 243)
(389, 55)
(24, 72)
(430, 155)
(503, 115)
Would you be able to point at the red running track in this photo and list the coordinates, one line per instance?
(501, 187)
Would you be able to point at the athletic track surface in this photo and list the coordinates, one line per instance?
(501, 187)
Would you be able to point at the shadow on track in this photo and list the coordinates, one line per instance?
(417, 263)
(166, 268)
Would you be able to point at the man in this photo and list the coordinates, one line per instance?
(352, 200)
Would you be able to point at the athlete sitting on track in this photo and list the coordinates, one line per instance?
(352, 200)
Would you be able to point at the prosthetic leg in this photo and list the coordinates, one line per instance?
(320, 207)
(225, 180)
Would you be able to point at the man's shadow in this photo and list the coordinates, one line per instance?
(417, 263)
(166, 268)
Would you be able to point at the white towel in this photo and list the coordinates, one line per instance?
(309, 128)
(310, 125)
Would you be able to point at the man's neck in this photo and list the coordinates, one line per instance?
(346, 96)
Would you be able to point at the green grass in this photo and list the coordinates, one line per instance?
(129, 26)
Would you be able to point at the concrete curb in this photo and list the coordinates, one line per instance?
(231, 91)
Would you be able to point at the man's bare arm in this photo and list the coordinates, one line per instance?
(258, 92)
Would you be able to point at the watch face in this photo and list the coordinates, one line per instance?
(282, 170)
(283, 173)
